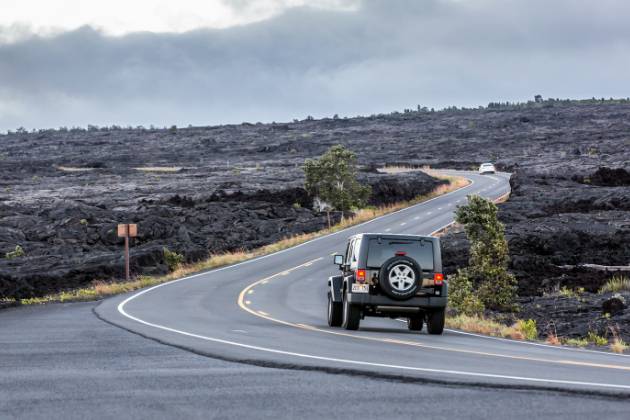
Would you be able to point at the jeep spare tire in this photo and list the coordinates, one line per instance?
(400, 277)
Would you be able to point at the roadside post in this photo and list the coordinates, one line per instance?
(127, 231)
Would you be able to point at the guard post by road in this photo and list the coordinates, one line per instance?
(127, 231)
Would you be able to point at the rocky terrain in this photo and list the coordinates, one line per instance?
(567, 230)
(208, 189)
(63, 193)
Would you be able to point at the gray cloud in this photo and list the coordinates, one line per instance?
(386, 55)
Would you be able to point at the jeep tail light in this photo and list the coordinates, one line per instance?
(400, 253)
(438, 279)
(360, 275)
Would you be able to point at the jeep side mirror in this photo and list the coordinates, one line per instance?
(338, 259)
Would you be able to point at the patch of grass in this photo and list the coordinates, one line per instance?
(505, 197)
(598, 340)
(100, 289)
(617, 283)
(521, 330)
(618, 346)
(528, 328)
(552, 339)
(570, 293)
(16, 253)
(577, 342)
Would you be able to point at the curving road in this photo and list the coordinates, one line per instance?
(271, 311)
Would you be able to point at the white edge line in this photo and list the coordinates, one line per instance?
(359, 362)
(122, 311)
(531, 343)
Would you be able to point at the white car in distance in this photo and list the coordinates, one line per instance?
(487, 168)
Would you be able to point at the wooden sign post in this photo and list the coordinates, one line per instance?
(127, 231)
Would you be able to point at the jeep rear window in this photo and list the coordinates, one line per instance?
(419, 250)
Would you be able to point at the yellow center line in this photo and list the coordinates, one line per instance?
(307, 327)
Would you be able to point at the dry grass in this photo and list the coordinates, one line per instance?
(505, 197)
(618, 346)
(552, 339)
(617, 283)
(485, 326)
(159, 169)
(100, 289)
(398, 169)
(576, 342)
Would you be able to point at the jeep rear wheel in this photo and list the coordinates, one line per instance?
(415, 323)
(335, 312)
(400, 277)
(351, 314)
(435, 321)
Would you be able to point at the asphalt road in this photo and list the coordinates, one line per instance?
(263, 323)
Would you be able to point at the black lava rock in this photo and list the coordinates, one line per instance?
(613, 306)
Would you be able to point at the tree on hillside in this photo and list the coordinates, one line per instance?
(488, 262)
(333, 179)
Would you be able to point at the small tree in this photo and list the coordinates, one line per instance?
(489, 257)
(333, 179)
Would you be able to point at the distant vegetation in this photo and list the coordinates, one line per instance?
(538, 102)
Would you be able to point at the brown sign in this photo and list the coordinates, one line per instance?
(130, 230)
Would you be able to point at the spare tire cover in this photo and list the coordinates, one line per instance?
(400, 277)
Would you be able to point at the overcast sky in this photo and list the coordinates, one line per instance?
(73, 62)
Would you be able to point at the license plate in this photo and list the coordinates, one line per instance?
(360, 288)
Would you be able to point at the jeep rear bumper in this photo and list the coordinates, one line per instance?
(380, 300)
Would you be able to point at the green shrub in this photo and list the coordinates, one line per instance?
(16, 253)
(172, 259)
(461, 297)
(497, 289)
(528, 328)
